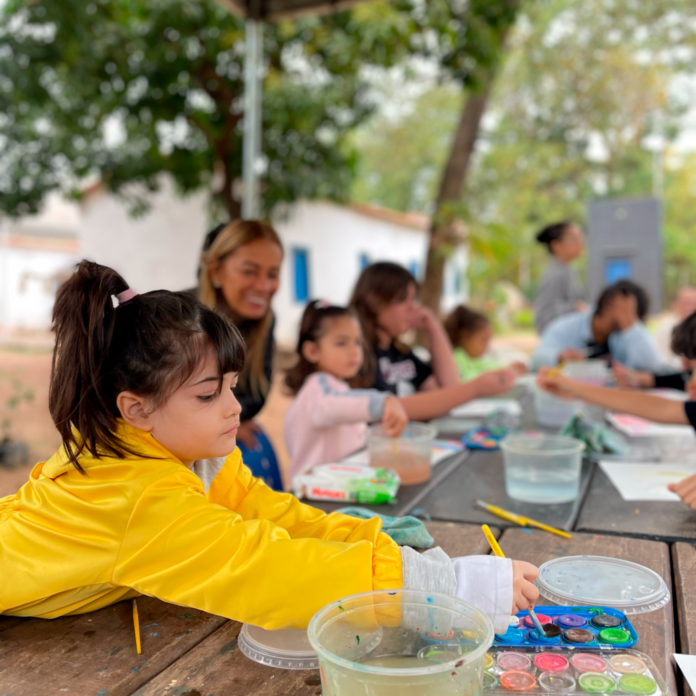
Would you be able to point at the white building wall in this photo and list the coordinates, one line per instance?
(159, 250)
(336, 237)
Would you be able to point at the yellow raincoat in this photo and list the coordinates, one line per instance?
(71, 543)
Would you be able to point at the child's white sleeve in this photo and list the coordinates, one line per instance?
(484, 581)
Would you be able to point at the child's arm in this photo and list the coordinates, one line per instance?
(426, 405)
(654, 408)
(183, 548)
(329, 403)
(445, 371)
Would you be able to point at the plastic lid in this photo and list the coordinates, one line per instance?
(517, 681)
(627, 664)
(514, 661)
(554, 681)
(597, 580)
(285, 649)
(637, 684)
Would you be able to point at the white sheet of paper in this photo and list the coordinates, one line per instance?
(641, 481)
(687, 664)
(639, 427)
(480, 408)
(440, 451)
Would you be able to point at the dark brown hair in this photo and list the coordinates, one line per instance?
(684, 338)
(149, 345)
(462, 322)
(379, 284)
(313, 326)
(553, 233)
(625, 287)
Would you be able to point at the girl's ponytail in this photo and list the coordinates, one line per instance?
(83, 322)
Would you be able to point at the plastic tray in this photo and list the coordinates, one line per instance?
(574, 624)
(597, 581)
(551, 670)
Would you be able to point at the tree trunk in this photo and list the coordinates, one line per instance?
(444, 228)
(446, 232)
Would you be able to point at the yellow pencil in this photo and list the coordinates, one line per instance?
(136, 626)
(491, 540)
(556, 370)
(520, 519)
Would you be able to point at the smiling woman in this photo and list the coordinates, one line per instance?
(240, 273)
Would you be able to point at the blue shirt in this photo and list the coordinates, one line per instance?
(633, 347)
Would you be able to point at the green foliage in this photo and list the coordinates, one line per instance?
(125, 90)
(569, 121)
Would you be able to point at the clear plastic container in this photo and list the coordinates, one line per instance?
(542, 468)
(595, 372)
(604, 582)
(551, 411)
(284, 649)
(401, 642)
(409, 454)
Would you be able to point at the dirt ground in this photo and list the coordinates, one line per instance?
(31, 422)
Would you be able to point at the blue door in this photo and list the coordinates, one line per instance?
(617, 269)
(301, 268)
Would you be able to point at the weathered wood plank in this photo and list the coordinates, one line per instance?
(94, 654)
(656, 630)
(684, 569)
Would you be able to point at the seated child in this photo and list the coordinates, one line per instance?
(470, 333)
(142, 393)
(328, 419)
(654, 408)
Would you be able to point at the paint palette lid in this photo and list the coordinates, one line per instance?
(603, 582)
(288, 648)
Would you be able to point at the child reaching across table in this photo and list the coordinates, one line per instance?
(384, 301)
(649, 406)
(470, 333)
(148, 494)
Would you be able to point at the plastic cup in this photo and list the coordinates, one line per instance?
(542, 469)
(409, 454)
(552, 411)
(375, 644)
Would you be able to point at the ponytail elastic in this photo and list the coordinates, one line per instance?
(126, 295)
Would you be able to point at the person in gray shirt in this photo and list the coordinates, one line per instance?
(560, 292)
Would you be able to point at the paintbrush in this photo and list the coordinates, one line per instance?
(499, 552)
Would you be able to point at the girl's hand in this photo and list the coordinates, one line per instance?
(247, 434)
(686, 490)
(524, 592)
(572, 354)
(555, 383)
(631, 379)
(519, 368)
(394, 417)
(496, 382)
(423, 319)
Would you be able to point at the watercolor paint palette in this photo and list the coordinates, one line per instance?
(553, 670)
(572, 627)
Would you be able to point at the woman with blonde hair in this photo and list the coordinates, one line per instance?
(239, 274)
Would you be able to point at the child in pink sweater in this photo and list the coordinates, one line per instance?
(328, 418)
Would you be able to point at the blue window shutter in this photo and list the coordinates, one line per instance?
(414, 267)
(301, 266)
(364, 261)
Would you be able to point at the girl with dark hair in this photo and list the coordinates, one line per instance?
(650, 406)
(384, 300)
(141, 392)
(328, 418)
(560, 293)
(238, 277)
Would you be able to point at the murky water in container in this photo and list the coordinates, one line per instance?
(403, 643)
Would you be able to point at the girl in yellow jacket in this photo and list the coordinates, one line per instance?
(148, 494)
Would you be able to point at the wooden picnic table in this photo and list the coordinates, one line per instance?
(684, 569)
(655, 629)
(185, 652)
